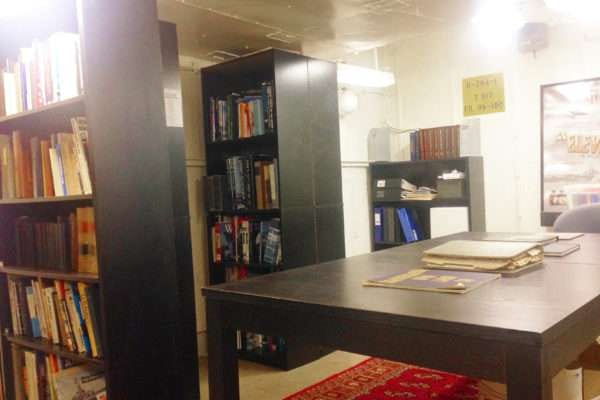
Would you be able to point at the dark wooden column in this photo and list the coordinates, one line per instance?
(136, 183)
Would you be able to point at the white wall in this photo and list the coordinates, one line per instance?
(354, 129)
(429, 71)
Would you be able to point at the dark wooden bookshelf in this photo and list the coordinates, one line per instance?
(305, 141)
(140, 198)
(425, 173)
(46, 200)
(45, 274)
(43, 346)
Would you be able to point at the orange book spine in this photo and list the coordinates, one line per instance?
(46, 168)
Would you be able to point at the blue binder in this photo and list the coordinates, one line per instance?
(378, 224)
(407, 229)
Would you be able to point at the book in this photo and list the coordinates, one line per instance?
(79, 383)
(505, 257)
(7, 168)
(540, 238)
(558, 249)
(455, 282)
(80, 140)
(45, 72)
(568, 235)
(438, 143)
(242, 115)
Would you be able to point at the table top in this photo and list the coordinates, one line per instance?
(534, 308)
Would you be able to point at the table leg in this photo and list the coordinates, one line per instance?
(526, 378)
(223, 378)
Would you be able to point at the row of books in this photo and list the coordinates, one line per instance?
(251, 183)
(32, 167)
(397, 225)
(242, 115)
(246, 240)
(47, 72)
(440, 143)
(49, 377)
(64, 313)
(259, 344)
(67, 243)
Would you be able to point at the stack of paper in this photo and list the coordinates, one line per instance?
(485, 256)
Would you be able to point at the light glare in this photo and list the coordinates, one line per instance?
(497, 22)
(583, 10)
(16, 8)
(364, 77)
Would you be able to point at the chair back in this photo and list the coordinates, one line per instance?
(585, 219)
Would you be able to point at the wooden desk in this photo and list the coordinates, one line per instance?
(519, 331)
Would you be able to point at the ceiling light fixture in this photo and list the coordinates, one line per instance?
(583, 10)
(364, 77)
(497, 22)
(15, 8)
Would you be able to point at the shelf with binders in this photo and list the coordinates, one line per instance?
(397, 221)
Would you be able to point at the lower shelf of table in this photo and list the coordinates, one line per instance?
(272, 359)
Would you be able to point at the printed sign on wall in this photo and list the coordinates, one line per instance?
(483, 95)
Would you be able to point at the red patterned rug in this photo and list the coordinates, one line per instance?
(377, 379)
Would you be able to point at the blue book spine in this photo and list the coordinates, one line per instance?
(416, 228)
(63, 181)
(77, 301)
(405, 224)
(36, 329)
(378, 222)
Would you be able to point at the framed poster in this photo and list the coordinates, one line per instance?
(570, 146)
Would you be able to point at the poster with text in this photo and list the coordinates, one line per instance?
(571, 145)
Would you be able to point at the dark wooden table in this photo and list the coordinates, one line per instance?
(519, 331)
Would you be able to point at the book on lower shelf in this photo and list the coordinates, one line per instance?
(62, 313)
(397, 225)
(242, 115)
(54, 165)
(40, 376)
(63, 243)
(246, 240)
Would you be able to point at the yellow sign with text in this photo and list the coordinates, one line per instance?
(483, 95)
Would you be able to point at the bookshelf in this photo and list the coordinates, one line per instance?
(304, 139)
(144, 280)
(425, 173)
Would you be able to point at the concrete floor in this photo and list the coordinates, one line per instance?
(258, 382)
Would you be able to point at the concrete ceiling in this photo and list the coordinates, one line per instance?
(215, 30)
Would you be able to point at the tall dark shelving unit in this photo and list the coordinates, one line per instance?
(425, 173)
(306, 143)
(140, 198)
